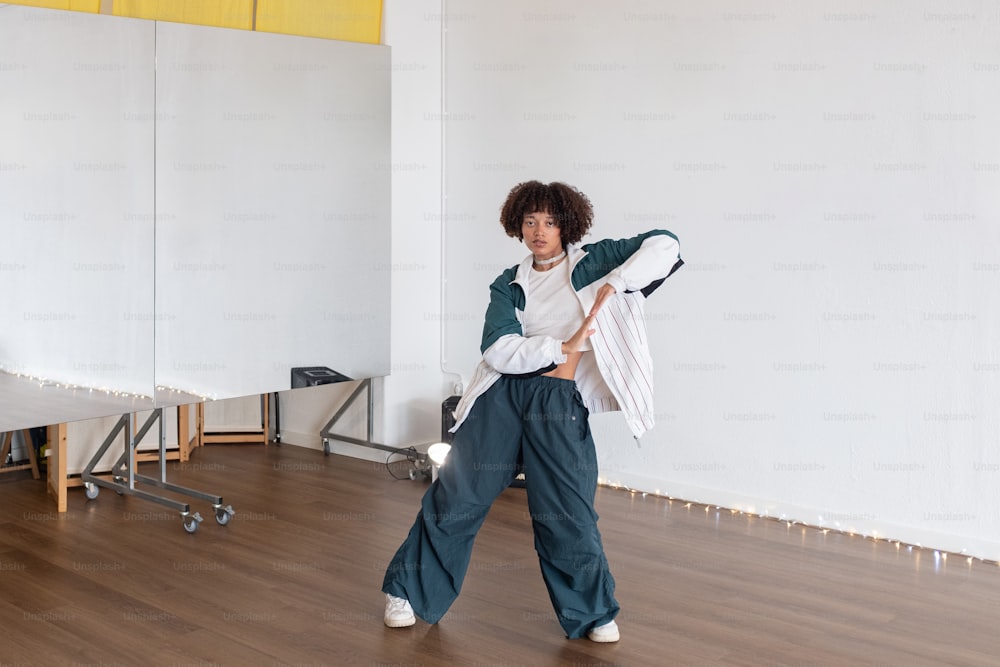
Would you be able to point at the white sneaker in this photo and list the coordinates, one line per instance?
(606, 633)
(398, 612)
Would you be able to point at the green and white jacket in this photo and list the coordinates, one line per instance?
(619, 374)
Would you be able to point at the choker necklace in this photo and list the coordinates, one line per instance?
(552, 260)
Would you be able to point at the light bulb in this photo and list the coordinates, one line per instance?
(438, 452)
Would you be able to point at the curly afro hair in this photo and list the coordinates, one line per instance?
(570, 208)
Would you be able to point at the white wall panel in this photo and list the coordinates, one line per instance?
(76, 214)
(273, 199)
(188, 213)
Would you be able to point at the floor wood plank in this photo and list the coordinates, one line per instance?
(294, 580)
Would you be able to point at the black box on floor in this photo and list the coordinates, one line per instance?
(313, 376)
(448, 417)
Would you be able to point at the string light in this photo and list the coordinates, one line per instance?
(44, 382)
(939, 555)
(192, 392)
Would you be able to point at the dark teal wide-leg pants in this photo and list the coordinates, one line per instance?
(543, 420)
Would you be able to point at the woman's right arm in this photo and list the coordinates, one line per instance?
(519, 355)
(505, 347)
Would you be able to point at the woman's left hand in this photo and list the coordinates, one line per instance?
(605, 292)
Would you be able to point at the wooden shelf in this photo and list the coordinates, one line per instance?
(249, 436)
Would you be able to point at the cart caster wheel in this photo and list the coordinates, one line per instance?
(224, 514)
(119, 480)
(91, 490)
(191, 522)
(326, 447)
(414, 473)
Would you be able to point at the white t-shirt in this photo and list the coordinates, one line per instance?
(552, 307)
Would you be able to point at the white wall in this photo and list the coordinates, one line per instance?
(828, 354)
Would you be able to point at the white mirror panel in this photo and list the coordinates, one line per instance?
(76, 213)
(187, 213)
(272, 187)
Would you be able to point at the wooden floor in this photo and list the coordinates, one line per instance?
(294, 580)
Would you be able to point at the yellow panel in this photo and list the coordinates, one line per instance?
(92, 6)
(348, 20)
(219, 13)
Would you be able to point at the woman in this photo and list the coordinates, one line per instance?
(564, 336)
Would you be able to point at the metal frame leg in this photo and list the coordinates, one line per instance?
(124, 475)
(422, 463)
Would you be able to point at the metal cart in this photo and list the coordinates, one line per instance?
(124, 476)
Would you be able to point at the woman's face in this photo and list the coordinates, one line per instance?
(541, 234)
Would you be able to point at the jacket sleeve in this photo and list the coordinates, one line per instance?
(524, 355)
(505, 347)
(631, 265)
